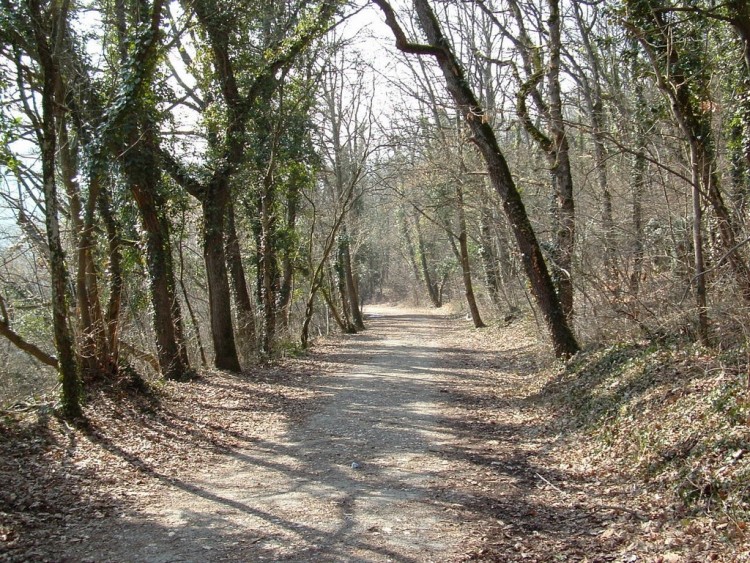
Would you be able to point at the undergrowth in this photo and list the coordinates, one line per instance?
(673, 415)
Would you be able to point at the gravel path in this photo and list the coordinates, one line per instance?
(356, 481)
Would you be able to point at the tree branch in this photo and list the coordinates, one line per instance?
(402, 43)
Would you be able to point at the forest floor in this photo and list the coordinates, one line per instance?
(417, 440)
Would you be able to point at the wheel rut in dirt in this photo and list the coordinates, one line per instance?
(356, 481)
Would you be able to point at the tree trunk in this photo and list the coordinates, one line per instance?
(243, 303)
(67, 364)
(698, 262)
(186, 297)
(214, 205)
(351, 286)
(143, 186)
(462, 254)
(559, 158)
(346, 312)
(286, 284)
(592, 92)
(639, 189)
(267, 271)
(345, 328)
(432, 286)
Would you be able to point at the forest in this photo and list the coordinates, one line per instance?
(219, 188)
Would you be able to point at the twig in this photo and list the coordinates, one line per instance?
(558, 489)
(635, 513)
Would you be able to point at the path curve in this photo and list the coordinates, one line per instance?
(357, 481)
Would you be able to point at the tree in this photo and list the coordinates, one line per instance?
(563, 340)
(223, 26)
(46, 25)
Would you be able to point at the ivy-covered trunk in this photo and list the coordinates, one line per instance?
(47, 138)
(143, 176)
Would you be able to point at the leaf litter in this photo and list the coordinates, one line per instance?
(626, 454)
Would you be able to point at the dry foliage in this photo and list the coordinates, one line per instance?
(59, 481)
(631, 453)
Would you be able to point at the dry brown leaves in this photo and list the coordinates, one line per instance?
(533, 476)
(59, 481)
(542, 486)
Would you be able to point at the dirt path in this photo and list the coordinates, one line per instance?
(357, 481)
(418, 440)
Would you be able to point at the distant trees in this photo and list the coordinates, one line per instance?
(563, 339)
(184, 180)
(579, 89)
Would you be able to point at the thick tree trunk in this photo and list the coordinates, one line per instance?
(220, 307)
(563, 340)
